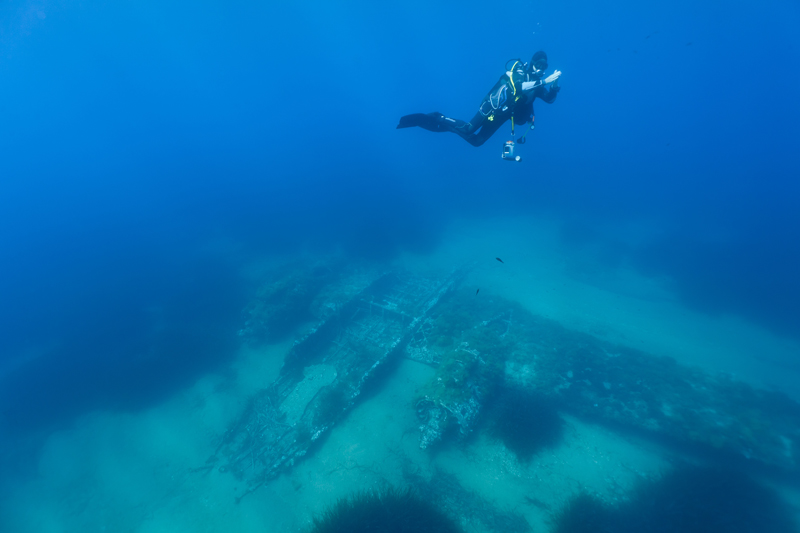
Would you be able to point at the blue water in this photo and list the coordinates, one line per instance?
(133, 134)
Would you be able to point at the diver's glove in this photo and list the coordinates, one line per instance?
(555, 87)
(553, 78)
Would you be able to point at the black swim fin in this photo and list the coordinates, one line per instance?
(431, 121)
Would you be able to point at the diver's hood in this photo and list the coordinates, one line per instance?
(538, 63)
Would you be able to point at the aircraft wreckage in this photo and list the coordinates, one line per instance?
(479, 347)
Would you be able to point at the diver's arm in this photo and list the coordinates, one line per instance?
(549, 96)
(540, 92)
(533, 85)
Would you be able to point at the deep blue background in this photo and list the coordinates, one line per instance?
(134, 133)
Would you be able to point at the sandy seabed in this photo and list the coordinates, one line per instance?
(137, 472)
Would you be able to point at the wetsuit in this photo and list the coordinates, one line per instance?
(494, 112)
(512, 95)
(522, 112)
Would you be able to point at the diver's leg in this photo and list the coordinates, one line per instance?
(465, 130)
(486, 131)
(476, 122)
(437, 122)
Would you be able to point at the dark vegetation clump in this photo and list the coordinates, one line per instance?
(285, 302)
(302, 434)
(688, 500)
(331, 403)
(585, 513)
(387, 511)
(526, 422)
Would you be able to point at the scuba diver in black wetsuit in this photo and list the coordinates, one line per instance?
(511, 98)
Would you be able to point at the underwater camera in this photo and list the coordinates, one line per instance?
(508, 152)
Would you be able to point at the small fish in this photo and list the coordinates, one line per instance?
(476, 292)
(499, 259)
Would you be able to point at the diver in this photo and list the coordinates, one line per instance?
(511, 98)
